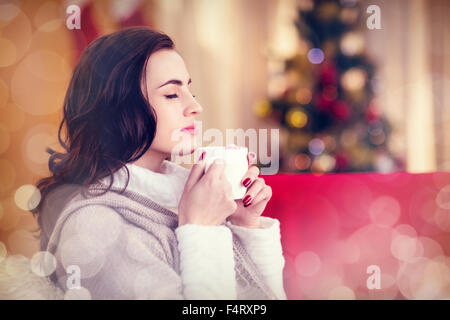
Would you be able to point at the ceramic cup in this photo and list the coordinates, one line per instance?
(236, 164)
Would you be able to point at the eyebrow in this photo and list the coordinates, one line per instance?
(175, 81)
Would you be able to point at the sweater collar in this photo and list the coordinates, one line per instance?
(165, 187)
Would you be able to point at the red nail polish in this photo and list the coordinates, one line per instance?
(202, 156)
(246, 199)
(247, 204)
(246, 182)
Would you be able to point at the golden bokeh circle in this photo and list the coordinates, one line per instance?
(47, 65)
(27, 197)
(8, 12)
(48, 17)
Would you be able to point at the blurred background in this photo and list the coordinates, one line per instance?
(350, 89)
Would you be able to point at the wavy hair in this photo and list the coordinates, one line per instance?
(108, 120)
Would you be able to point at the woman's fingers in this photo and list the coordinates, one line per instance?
(253, 191)
(196, 173)
(250, 176)
(216, 170)
(251, 158)
(264, 195)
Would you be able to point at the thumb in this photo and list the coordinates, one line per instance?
(196, 173)
(251, 158)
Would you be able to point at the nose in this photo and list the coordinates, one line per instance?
(193, 108)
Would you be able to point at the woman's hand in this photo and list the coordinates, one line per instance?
(252, 205)
(207, 198)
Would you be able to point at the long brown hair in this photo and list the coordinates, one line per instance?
(108, 120)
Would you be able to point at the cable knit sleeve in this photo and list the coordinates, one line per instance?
(207, 262)
(118, 260)
(264, 247)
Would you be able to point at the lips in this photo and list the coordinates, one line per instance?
(191, 130)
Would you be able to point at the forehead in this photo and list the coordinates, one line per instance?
(164, 65)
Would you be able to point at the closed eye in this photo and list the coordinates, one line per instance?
(173, 96)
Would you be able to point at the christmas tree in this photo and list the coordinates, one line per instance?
(324, 96)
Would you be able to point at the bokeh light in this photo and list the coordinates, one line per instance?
(307, 263)
(303, 96)
(84, 252)
(17, 265)
(405, 248)
(27, 197)
(422, 278)
(262, 108)
(48, 17)
(349, 15)
(315, 56)
(316, 146)
(385, 210)
(342, 293)
(354, 79)
(344, 252)
(352, 43)
(442, 219)
(277, 85)
(8, 11)
(43, 263)
(296, 118)
(302, 161)
(323, 163)
(443, 198)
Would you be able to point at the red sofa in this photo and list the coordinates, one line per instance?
(364, 235)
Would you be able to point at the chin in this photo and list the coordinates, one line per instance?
(185, 149)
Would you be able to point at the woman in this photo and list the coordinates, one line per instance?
(137, 226)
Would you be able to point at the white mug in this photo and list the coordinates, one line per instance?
(236, 165)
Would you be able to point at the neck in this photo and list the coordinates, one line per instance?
(151, 160)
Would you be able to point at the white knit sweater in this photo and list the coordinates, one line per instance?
(198, 244)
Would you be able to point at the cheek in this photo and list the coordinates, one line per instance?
(167, 125)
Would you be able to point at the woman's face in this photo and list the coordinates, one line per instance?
(168, 92)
